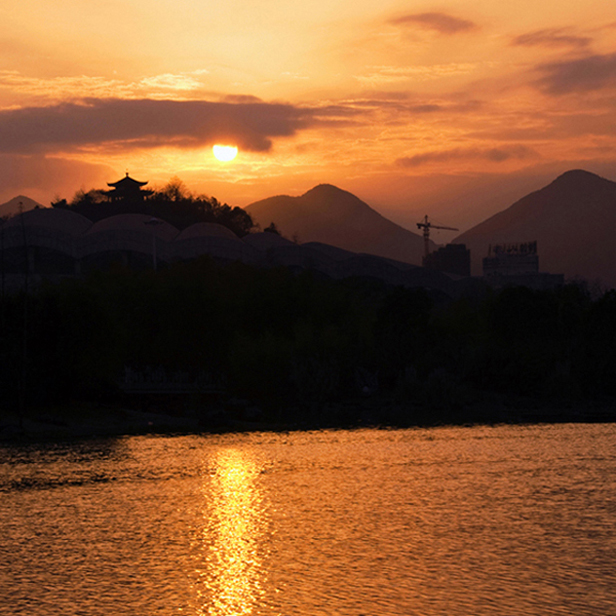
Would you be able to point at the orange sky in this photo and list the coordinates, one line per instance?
(453, 109)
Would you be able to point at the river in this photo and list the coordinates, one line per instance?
(459, 521)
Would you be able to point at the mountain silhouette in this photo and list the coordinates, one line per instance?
(573, 220)
(333, 216)
(10, 208)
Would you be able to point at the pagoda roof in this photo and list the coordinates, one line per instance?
(127, 182)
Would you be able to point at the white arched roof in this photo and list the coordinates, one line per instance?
(206, 229)
(332, 252)
(53, 219)
(265, 240)
(136, 223)
(217, 247)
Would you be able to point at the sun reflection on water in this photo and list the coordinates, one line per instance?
(233, 579)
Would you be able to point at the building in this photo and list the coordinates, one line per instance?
(511, 260)
(452, 259)
(127, 188)
(517, 265)
(56, 243)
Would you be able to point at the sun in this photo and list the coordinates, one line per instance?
(224, 153)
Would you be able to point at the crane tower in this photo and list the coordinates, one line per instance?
(427, 225)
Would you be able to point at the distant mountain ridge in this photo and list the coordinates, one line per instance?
(573, 220)
(11, 207)
(333, 216)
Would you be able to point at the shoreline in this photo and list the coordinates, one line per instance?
(85, 422)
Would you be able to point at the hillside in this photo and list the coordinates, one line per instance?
(573, 220)
(10, 208)
(333, 216)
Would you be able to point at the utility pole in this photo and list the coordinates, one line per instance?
(153, 222)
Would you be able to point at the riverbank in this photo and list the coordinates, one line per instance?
(87, 421)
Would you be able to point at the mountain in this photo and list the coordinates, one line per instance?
(333, 216)
(10, 208)
(573, 220)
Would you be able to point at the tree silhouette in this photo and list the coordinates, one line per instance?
(173, 203)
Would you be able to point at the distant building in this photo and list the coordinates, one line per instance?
(517, 265)
(511, 260)
(127, 188)
(452, 259)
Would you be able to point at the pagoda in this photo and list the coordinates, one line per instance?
(127, 188)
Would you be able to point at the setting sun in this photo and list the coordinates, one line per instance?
(224, 153)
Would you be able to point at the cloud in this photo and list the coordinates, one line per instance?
(185, 85)
(553, 37)
(152, 123)
(582, 75)
(439, 22)
(59, 87)
(496, 155)
(379, 75)
(552, 127)
(171, 81)
(404, 104)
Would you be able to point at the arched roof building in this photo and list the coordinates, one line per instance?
(55, 229)
(265, 240)
(117, 236)
(214, 240)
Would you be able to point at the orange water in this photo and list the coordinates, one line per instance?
(448, 521)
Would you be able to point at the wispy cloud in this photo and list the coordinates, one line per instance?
(58, 87)
(581, 75)
(496, 155)
(165, 85)
(438, 22)
(552, 37)
(172, 81)
(392, 74)
(405, 104)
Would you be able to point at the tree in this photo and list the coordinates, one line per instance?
(173, 203)
(272, 228)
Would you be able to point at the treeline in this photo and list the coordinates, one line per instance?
(307, 349)
(173, 203)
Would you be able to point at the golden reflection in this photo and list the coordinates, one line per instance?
(233, 579)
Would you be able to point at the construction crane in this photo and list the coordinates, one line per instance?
(427, 225)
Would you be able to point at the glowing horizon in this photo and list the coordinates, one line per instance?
(458, 108)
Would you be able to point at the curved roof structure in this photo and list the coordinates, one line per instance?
(127, 183)
(136, 223)
(206, 229)
(265, 240)
(223, 248)
(299, 256)
(332, 252)
(54, 219)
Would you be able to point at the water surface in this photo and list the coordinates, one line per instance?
(447, 521)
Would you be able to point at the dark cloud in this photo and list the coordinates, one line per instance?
(151, 123)
(553, 126)
(441, 22)
(496, 155)
(582, 75)
(556, 37)
(408, 104)
(403, 107)
(241, 98)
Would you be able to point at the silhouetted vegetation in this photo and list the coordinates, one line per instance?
(310, 351)
(173, 203)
